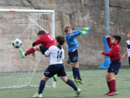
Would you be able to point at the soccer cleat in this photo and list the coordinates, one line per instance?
(54, 78)
(78, 92)
(80, 82)
(22, 53)
(113, 93)
(75, 81)
(107, 93)
(37, 95)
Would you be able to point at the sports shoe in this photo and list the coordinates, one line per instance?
(78, 92)
(80, 82)
(22, 53)
(37, 95)
(107, 93)
(113, 93)
(75, 81)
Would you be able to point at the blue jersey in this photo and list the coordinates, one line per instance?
(72, 41)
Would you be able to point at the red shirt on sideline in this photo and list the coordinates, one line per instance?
(46, 40)
(114, 51)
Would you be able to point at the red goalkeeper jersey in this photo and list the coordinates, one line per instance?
(46, 40)
(114, 52)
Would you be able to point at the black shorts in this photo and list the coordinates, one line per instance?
(73, 56)
(43, 49)
(129, 60)
(55, 69)
(114, 67)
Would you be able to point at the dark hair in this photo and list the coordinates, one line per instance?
(117, 37)
(128, 32)
(41, 32)
(60, 39)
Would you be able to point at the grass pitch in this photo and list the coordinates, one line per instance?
(95, 86)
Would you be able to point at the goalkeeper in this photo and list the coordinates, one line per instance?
(45, 39)
(73, 51)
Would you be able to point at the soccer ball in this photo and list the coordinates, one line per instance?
(17, 43)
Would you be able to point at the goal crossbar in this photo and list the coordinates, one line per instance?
(28, 11)
(35, 11)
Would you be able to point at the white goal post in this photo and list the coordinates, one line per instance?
(15, 71)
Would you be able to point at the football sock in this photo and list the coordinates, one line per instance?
(77, 73)
(71, 83)
(109, 85)
(31, 50)
(74, 74)
(41, 86)
(113, 85)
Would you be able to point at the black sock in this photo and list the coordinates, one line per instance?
(41, 86)
(71, 83)
(77, 73)
(74, 73)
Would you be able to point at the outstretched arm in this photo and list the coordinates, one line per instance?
(75, 34)
(111, 53)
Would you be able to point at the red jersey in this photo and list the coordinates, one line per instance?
(114, 51)
(46, 40)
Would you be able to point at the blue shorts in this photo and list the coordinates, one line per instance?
(55, 69)
(73, 56)
(114, 67)
(43, 49)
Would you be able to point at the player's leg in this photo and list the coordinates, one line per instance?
(32, 50)
(113, 84)
(108, 83)
(47, 74)
(41, 87)
(77, 73)
(73, 57)
(115, 66)
(71, 83)
(61, 73)
(38, 48)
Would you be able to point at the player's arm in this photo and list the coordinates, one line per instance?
(109, 41)
(39, 41)
(48, 52)
(63, 55)
(34, 44)
(75, 34)
(111, 53)
(124, 54)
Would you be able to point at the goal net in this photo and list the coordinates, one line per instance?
(15, 71)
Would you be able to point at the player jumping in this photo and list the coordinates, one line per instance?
(56, 54)
(73, 51)
(45, 39)
(115, 63)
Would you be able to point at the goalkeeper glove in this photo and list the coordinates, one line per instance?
(85, 30)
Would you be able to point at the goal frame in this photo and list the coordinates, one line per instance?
(52, 12)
